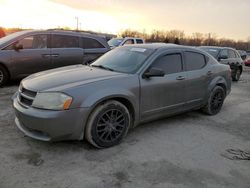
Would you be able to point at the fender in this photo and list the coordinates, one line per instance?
(93, 100)
(217, 80)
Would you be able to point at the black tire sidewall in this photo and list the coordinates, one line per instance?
(92, 136)
(214, 91)
(5, 76)
(237, 74)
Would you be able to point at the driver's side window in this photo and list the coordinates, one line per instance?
(129, 41)
(30, 42)
(26, 43)
(171, 63)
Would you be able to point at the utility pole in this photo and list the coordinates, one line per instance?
(80, 26)
(209, 39)
(77, 22)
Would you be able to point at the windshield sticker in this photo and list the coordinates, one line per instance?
(138, 50)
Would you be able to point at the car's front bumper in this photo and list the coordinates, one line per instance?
(48, 125)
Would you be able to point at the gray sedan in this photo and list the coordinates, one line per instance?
(125, 87)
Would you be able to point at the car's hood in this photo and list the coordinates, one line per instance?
(66, 77)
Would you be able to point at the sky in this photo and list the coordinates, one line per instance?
(225, 18)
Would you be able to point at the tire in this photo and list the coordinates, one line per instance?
(236, 75)
(108, 124)
(4, 76)
(215, 101)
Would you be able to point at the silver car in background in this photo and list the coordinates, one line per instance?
(27, 52)
(115, 42)
(227, 56)
(125, 87)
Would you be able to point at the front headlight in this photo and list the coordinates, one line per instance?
(52, 101)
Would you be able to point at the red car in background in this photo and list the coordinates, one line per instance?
(247, 62)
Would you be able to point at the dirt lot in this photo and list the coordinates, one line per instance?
(182, 151)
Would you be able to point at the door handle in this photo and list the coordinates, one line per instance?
(45, 55)
(180, 78)
(209, 73)
(55, 55)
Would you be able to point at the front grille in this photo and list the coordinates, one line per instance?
(28, 92)
(26, 97)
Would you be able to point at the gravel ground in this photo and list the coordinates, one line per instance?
(182, 151)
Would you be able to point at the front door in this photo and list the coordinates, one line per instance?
(31, 55)
(164, 95)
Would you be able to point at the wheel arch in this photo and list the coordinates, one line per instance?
(241, 69)
(218, 81)
(6, 68)
(122, 99)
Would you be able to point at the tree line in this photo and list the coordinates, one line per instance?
(179, 37)
(174, 36)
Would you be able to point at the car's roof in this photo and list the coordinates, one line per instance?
(132, 38)
(217, 47)
(156, 46)
(59, 31)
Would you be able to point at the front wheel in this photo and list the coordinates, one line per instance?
(4, 76)
(108, 124)
(215, 101)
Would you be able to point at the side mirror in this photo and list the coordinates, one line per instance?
(222, 57)
(17, 47)
(153, 72)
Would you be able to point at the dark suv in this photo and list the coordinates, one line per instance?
(228, 56)
(27, 52)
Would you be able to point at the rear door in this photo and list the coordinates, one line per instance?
(199, 74)
(164, 95)
(65, 50)
(34, 55)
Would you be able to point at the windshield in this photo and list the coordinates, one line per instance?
(115, 41)
(11, 36)
(212, 51)
(126, 60)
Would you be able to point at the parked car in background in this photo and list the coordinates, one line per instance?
(115, 42)
(227, 56)
(247, 62)
(27, 52)
(126, 86)
(2, 33)
(243, 54)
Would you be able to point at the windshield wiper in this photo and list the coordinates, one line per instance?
(102, 67)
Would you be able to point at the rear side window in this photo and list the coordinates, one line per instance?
(64, 41)
(171, 63)
(194, 61)
(238, 55)
(139, 41)
(231, 54)
(89, 43)
(224, 53)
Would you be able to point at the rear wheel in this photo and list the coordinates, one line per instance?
(4, 76)
(215, 101)
(237, 74)
(108, 124)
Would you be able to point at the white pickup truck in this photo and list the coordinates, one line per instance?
(115, 42)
